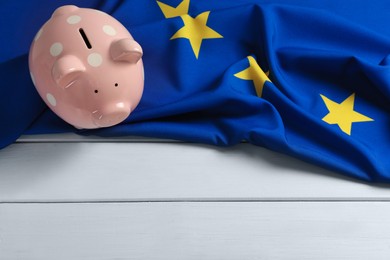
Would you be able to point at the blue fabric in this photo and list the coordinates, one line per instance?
(326, 99)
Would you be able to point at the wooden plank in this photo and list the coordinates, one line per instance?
(72, 137)
(191, 230)
(166, 171)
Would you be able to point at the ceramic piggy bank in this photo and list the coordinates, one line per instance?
(87, 67)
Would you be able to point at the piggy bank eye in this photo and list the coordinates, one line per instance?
(96, 91)
(116, 85)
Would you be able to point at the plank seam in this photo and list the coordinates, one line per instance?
(368, 200)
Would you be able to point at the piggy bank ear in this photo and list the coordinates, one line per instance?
(126, 50)
(65, 9)
(66, 69)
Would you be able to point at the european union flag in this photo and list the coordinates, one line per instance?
(307, 78)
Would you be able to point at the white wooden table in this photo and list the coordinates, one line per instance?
(70, 197)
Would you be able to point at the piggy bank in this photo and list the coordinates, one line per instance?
(87, 67)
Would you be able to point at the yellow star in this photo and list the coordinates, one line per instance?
(343, 114)
(254, 73)
(196, 30)
(170, 11)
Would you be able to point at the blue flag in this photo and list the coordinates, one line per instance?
(308, 79)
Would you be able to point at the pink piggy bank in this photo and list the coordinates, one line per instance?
(87, 67)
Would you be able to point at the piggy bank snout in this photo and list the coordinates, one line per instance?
(111, 115)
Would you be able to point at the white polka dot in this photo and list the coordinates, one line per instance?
(32, 78)
(95, 59)
(56, 49)
(38, 34)
(52, 100)
(109, 30)
(73, 19)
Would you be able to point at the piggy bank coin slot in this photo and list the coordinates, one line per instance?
(85, 38)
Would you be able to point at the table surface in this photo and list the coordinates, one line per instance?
(73, 197)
